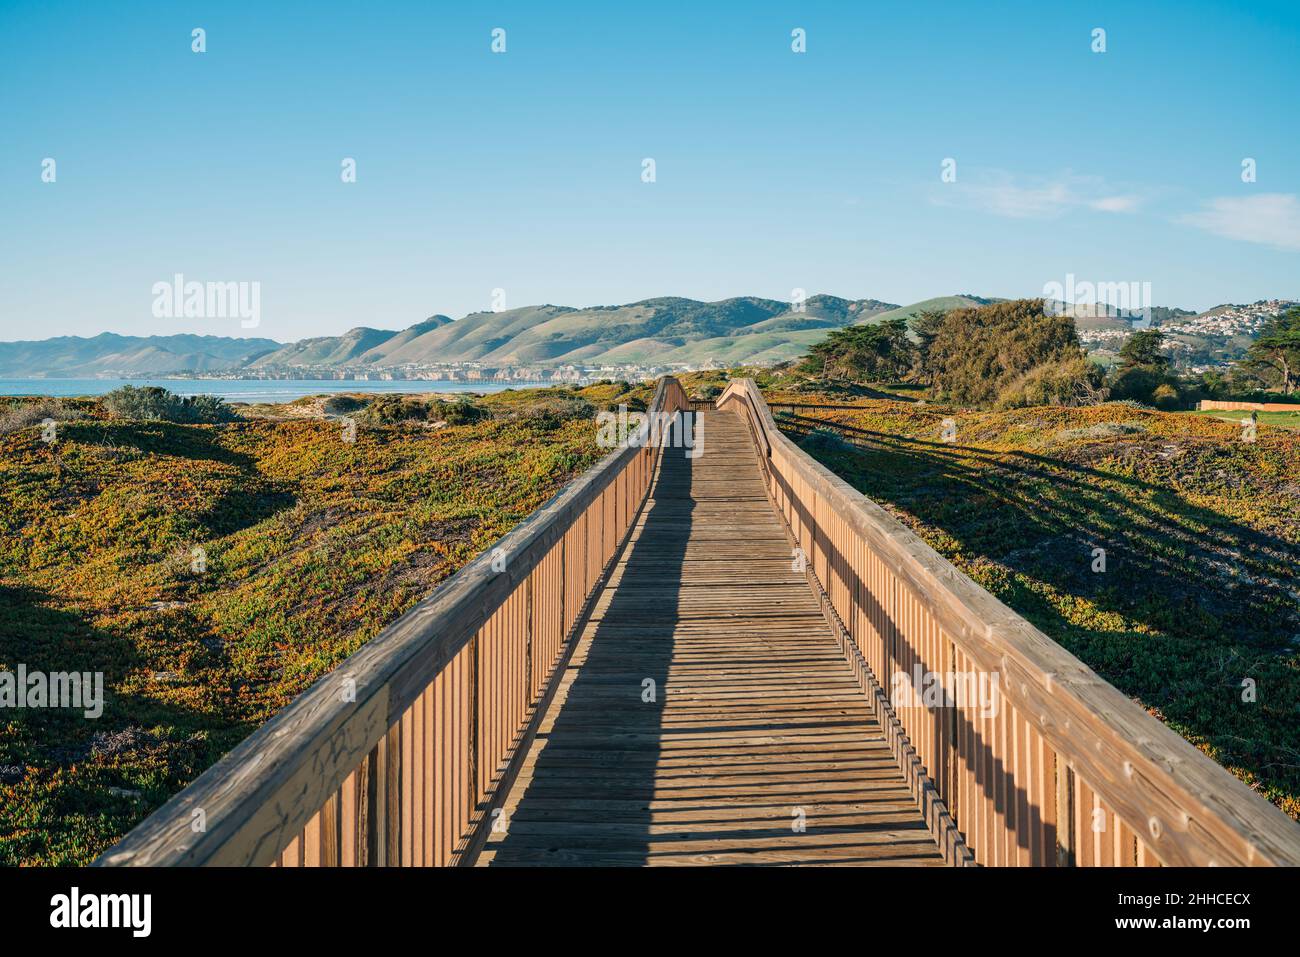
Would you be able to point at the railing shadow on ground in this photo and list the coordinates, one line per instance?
(1150, 796)
(1053, 498)
(1041, 517)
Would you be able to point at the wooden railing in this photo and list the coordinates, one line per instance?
(1044, 763)
(394, 757)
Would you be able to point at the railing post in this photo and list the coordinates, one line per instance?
(1065, 850)
(369, 801)
(364, 834)
(392, 807)
(529, 683)
(473, 729)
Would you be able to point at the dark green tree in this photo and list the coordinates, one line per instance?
(1276, 353)
(1143, 348)
(877, 352)
(1143, 372)
(925, 328)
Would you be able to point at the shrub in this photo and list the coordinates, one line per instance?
(1138, 383)
(1102, 430)
(459, 412)
(149, 402)
(208, 409)
(1072, 381)
(976, 354)
(1166, 397)
(825, 441)
(22, 415)
(551, 413)
(152, 402)
(343, 404)
(392, 409)
(630, 402)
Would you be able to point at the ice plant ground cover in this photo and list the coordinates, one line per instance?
(1196, 614)
(212, 572)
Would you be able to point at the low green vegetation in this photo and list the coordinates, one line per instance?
(213, 571)
(1200, 598)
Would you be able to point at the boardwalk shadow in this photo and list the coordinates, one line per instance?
(605, 742)
(762, 751)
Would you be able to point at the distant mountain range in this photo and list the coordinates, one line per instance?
(662, 332)
(108, 354)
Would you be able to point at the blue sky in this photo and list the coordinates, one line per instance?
(522, 171)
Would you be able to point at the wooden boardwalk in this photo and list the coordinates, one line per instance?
(707, 715)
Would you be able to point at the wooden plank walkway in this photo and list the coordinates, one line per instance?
(756, 722)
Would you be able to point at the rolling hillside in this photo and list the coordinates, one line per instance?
(937, 304)
(109, 354)
(327, 350)
(669, 329)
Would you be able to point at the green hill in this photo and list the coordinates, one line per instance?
(937, 304)
(327, 350)
(671, 329)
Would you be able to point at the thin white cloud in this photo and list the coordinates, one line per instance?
(1115, 204)
(1002, 194)
(1271, 219)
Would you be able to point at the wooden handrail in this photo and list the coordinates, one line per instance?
(1070, 770)
(391, 757)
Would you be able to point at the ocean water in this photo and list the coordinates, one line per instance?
(247, 390)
